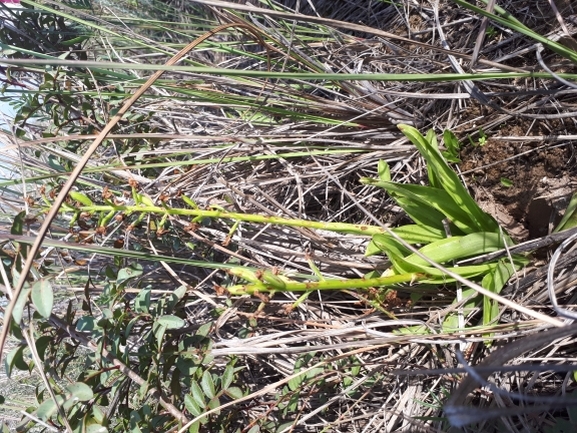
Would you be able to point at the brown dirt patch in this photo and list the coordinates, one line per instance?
(524, 185)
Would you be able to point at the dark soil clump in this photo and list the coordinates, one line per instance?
(526, 184)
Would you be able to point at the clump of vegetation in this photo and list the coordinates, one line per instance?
(253, 245)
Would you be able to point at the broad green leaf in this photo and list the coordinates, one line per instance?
(419, 234)
(453, 147)
(197, 394)
(86, 324)
(187, 366)
(132, 271)
(176, 296)
(388, 245)
(295, 382)
(432, 275)
(429, 206)
(227, 376)
(18, 224)
(42, 344)
(18, 311)
(458, 248)
(431, 138)
(43, 297)
(420, 212)
(98, 415)
(47, 409)
(142, 300)
(170, 322)
(208, 385)
(15, 359)
(192, 405)
(373, 248)
(214, 403)
(234, 392)
(79, 391)
(159, 331)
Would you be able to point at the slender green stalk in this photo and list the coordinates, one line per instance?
(358, 283)
(358, 229)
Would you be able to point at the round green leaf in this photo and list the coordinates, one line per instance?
(170, 322)
(43, 297)
(42, 344)
(79, 391)
(15, 359)
(86, 324)
(47, 409)
(234, 392)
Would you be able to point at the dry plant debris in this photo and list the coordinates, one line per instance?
(296, 149)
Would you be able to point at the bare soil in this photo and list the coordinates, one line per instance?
(525, 185)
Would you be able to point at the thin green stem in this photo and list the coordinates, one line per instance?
(358, 229)
(358, 283)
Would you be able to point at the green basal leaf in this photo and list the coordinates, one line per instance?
(458, 248)
(451, 322)
(386, 244)
(227, 376)
(419, 234)
(94, 428)
(453, 147)
(476, 219)
(430, 206)
(495, 281)
(47, 409)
